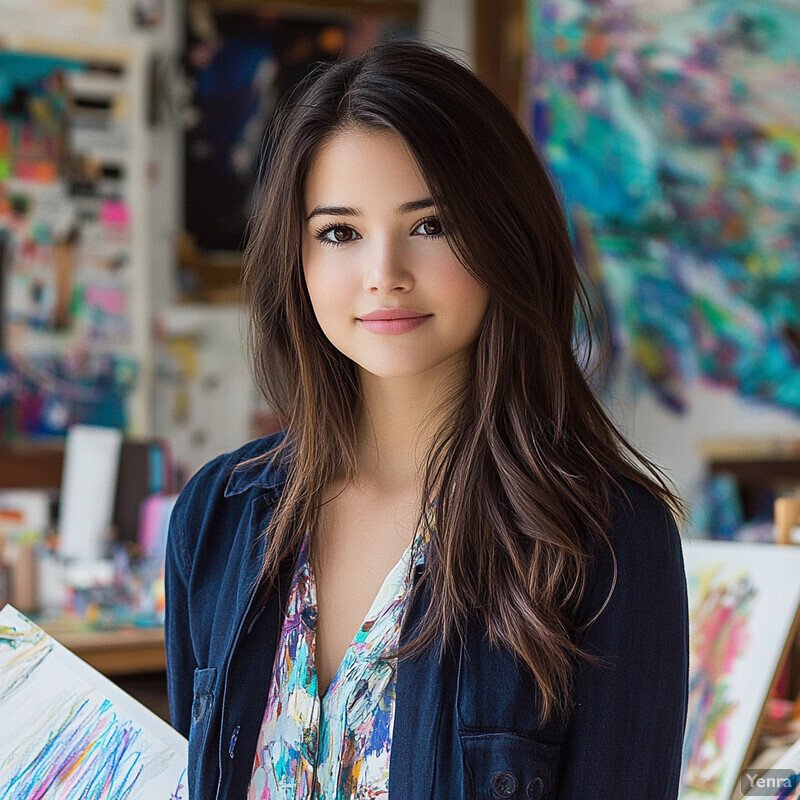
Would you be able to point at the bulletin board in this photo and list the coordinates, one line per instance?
(65, 243)
(89, 213)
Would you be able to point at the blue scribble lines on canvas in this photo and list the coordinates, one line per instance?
(91, 754)
(67, 739)
(178, 793)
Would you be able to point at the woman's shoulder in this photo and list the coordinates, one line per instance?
(235, 470)
(219, 487)
(643, 530)
(637, 509)
(642, 561)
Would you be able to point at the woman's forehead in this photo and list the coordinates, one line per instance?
(356, 165)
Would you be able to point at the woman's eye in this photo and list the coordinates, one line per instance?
(337, 234)
(430, 227)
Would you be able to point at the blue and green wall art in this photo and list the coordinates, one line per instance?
(672, 128)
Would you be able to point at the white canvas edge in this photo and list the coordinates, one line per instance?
(790, 759)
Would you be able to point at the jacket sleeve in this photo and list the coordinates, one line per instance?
(625, 734)
(181, 661)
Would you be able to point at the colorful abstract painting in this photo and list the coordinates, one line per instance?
(743, 600)
(720, 631)
(673, 127)
(75, 734)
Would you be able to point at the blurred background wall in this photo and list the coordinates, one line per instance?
(131, 133)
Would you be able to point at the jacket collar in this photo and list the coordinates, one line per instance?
(263, 475)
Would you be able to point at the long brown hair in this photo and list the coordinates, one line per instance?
(527, 458)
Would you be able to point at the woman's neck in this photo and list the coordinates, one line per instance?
(398, 420)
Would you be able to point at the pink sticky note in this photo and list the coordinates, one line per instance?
(110, 299)
(149, 520)
(115, 212)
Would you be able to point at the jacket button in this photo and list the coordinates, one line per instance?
(504, 784)
(534, 789)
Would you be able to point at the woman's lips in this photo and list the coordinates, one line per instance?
(402, 325)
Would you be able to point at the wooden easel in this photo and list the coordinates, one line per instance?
(787, 516)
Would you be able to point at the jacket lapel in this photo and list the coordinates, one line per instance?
(250, 663)
(418, 710)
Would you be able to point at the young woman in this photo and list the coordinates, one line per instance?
(449, 575)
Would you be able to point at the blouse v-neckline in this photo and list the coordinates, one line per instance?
(378, 607)
(337, 745)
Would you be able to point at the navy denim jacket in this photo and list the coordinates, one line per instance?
(467, 727)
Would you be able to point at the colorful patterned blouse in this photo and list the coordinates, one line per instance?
(336, 748)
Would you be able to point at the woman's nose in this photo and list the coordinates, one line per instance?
(387, 266)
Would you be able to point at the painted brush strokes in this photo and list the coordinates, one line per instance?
(675, 128)
(76, 735)
(720, 622)
(743, 599)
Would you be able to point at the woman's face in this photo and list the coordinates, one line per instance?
(372, 241)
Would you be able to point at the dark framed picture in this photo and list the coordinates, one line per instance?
(240, 64)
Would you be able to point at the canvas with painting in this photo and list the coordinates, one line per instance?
(743, 604)
(75, 733)
(672, 127)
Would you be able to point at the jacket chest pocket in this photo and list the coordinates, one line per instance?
(507, 765)
(202, 707)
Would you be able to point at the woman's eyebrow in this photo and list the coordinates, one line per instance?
(348, 211)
